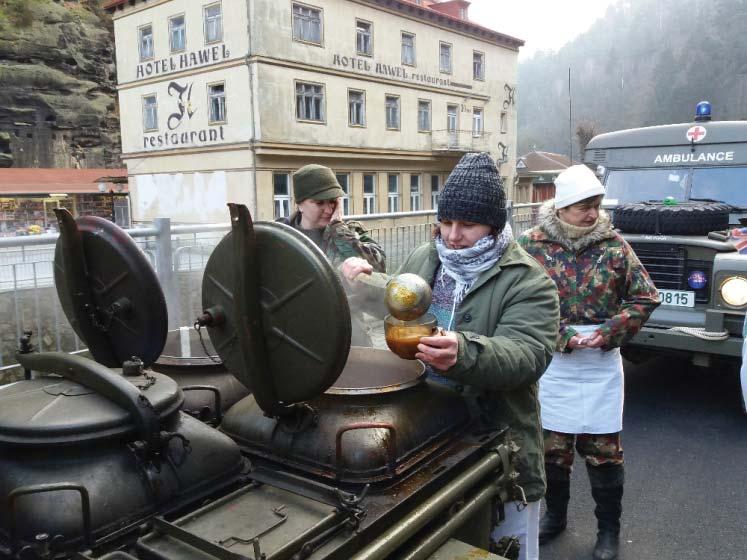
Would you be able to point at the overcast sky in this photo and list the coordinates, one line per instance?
(542, 24)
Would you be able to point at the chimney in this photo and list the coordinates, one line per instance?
(455, 8)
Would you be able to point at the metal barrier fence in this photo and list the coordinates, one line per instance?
(179, 254)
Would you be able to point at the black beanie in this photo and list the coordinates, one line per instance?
(474, 193)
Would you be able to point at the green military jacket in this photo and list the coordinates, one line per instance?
(507, 325)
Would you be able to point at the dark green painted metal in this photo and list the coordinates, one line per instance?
(109, 291)
(286, 328)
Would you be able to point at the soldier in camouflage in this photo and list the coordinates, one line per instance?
(606, 296)
(318, 196)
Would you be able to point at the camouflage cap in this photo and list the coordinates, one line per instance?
(316, 182)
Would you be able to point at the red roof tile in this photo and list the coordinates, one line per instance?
(15, 181)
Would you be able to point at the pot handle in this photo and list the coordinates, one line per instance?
(105, 382)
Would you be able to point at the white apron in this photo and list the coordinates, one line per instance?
(582, 392)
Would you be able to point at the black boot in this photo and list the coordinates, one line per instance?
(607, 489)
(558, 493)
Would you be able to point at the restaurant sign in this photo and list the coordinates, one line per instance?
(184, 61)
(389, 70)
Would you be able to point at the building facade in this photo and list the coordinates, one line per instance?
(222, 100)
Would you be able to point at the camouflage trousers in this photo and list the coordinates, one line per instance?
(596, 449)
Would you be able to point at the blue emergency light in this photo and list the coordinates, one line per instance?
(703, 111)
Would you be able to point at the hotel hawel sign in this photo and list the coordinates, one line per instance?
(184, 61)
(389, 71)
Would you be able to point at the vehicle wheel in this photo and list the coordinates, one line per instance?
(684, 218)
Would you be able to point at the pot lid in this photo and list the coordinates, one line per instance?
(54, 410)
(279, 315)
(109, 291)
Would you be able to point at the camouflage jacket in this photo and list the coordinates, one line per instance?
(341, 240)
(599, 278)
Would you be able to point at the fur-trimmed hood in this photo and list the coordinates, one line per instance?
(550, 225)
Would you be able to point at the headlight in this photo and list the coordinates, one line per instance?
(734, 291)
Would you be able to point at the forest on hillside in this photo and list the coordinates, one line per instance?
(646, 62)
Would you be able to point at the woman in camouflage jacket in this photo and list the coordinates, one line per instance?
(605, 297)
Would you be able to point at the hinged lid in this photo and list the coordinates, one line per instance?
(109, 291)
(281, 318)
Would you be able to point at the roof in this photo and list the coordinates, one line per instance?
(543, 162)
(718, 132)
(28, 181)
(423, 10)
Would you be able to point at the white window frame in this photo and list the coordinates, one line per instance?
(392, 110)
(360, 113)
(281, 202)
(369, 198)
(148, 110)
(504, 122)
(478, 122)
(220, 98)
(478, 66)
(416, 194)
(141, 46)
(302, 23)
(428, 125)
(364, 38)
(435, 194)
(216, 20)
(404, 48)
(392, 197)
(445, 68)
(344, 180)
(313, 95)
(182, 34)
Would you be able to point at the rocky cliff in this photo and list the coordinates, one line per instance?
(57, 85)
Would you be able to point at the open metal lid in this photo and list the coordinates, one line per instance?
(277, 312)
(109, 291)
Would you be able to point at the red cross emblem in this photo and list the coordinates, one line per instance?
(696, 133)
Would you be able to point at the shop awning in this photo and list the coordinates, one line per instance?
(40, 182)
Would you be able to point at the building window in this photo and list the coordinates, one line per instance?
(504, 122)
(281, 194)
(445, 58)
(344, 180)
(307, 24)
(435, 187)
(477, 122)
(393, 192)
(145, 43)
(364, 37)
(356, 108)
(150, 113)
(408, 49)
(478, 65)
(177, 33)
(309, 102)
(424, 115)
(213, 23)
(414, 192)
(452, 118)
(392, 112)
(369, 194)
(217, 103)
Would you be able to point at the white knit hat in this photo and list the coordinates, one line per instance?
(576, 183)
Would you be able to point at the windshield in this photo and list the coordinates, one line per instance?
(635, 185)
(725, 184)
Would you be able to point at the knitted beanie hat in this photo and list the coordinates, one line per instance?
(474, 193)
(316, 182)
(575, 184)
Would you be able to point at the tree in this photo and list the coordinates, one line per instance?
(585, 131)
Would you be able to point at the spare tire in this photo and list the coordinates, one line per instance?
(683, 218)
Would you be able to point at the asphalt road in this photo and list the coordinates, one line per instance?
(685, 443)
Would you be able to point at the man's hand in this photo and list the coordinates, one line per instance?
(353, 266)
(439, 352)
(337, 213)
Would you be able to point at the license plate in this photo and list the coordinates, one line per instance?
(677, 298)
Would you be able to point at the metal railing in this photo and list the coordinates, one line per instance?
(28, 299)
(460, 141)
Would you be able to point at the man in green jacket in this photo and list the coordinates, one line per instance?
(500, 313)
